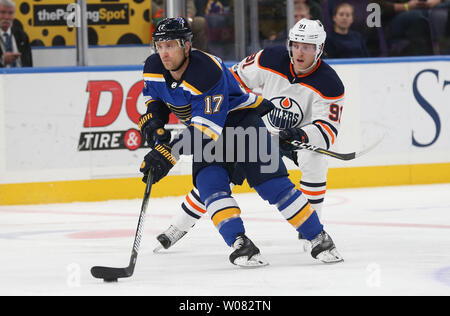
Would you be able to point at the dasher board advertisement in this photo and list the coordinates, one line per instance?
(74, 124)
(53, 23)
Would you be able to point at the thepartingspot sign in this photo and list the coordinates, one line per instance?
(97, 14)
(118, 22)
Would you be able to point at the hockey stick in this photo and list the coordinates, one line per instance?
(109, 274)
(341, 156)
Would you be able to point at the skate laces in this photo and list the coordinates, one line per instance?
(174, 233)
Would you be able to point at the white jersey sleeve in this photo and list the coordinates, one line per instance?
(248, 73)
(326, 114)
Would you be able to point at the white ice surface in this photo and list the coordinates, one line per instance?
(395, 241)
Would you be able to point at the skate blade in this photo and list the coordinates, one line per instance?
(158, 248)
(255, 262)
(330, 256)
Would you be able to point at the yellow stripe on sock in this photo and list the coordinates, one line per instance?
(225, 214)
(302, 216)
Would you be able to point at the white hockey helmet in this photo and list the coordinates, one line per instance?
(309, 32)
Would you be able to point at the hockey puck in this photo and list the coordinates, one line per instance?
(110, 280)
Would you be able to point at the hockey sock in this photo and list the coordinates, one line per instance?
(315, 193)
(184, 222)
(213, 185)
(193, 205)
(292, 204)
(225, 214)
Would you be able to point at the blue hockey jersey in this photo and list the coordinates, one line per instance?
(203, 97)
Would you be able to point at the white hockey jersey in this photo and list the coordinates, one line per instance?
(313, 101)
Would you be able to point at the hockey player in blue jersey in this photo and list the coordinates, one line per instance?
(202, 93)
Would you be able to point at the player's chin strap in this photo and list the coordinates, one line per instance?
(341, 156)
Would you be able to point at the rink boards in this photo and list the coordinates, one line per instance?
(69, 134)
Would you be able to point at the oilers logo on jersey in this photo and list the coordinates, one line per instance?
(287, 113)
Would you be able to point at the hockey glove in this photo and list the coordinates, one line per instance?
(152, 129)
(160, 161)
(292, 155)
(288, 135)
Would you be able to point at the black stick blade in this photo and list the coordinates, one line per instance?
(107, 273)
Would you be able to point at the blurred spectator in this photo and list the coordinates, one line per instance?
(408, 28)
(438, 16)
(15, 49)
(445, 39)
(315, 9)
(343, 42)
(198, 26)
(302, 10)
(220, 26)
(214, 7)
(197, 23)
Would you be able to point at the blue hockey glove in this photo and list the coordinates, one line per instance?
(160, 161)
(288, 135)
(153, 131)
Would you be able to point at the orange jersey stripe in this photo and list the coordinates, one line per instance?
(235, 75)
(313, 192)
(188, 199)
(328, 130)
(318, 92)
(303, 84)
(291, 67)
(271, 70)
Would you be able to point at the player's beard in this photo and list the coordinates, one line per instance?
(180, 65)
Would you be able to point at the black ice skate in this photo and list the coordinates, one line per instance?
(305, 244)
(323, 248)
(169, 237)
(246, 254)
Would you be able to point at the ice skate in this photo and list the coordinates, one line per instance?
(246, 254)
(305, 244)
(323, 249)
(168, 238)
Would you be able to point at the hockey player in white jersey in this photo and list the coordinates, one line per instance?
(308, 96)
(309, 99)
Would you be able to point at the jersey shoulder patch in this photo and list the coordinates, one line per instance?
(326, 81)
(203, 72)
(275, 58)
